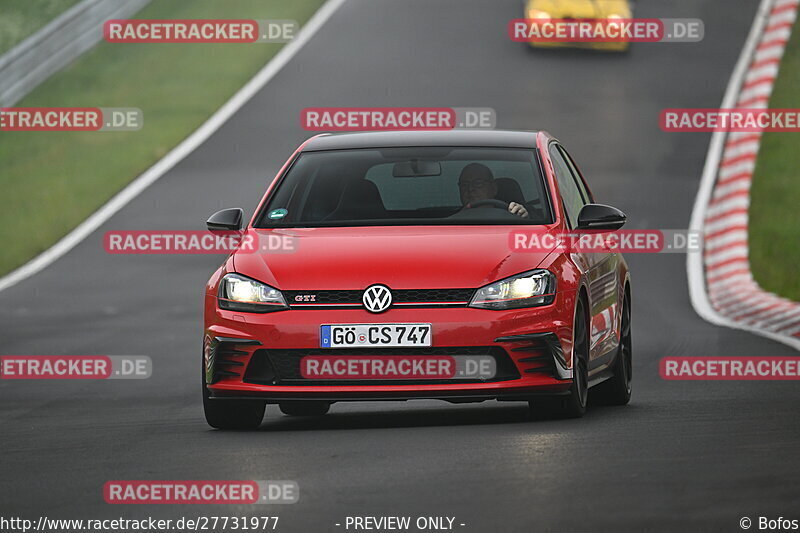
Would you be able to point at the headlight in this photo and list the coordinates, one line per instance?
(238, 293)
(529, 289)
(538, 14)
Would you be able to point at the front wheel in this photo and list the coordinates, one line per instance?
(573, 405)
(617, 390)
(232, 414)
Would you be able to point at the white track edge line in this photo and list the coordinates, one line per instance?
(186, 147)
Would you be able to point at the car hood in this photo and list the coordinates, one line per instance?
(402, 257)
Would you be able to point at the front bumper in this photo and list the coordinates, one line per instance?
(250, 355)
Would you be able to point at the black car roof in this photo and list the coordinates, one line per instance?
(387, 139)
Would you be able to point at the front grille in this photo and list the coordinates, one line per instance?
(432, 295)
(400, 297)
(286, 365)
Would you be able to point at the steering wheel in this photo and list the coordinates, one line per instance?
(492, 202)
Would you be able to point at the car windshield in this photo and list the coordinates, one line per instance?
(410, 186)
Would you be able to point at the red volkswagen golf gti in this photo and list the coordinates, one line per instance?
(384, 266)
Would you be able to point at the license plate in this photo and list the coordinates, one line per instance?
(374, 335)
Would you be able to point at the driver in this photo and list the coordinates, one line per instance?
(476, 183)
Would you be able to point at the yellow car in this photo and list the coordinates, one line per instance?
(580, 9)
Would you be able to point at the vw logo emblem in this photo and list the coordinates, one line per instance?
(377, 298)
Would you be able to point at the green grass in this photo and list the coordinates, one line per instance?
(21, 18)
(51, 181)
(775, 194)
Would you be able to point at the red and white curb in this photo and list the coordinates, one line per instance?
(721, 284)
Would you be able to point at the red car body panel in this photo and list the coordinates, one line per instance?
(419, 257)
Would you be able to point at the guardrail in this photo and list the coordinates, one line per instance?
(57, 44)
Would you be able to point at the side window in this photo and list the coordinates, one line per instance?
(576, 174)
(570, 193)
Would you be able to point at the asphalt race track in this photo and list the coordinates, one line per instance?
(682, 456)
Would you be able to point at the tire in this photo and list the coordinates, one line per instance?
(617, 390)
(572, 405)
(304, 408)
(232, 414)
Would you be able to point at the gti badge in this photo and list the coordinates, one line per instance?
(377, 298)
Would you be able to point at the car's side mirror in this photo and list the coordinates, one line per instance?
(599, 216)
(226, 220)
